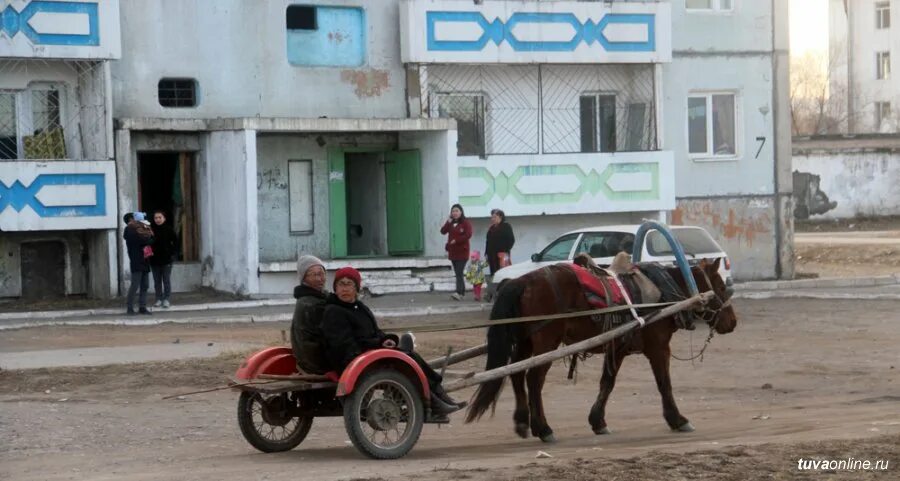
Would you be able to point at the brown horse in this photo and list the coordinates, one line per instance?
(556, 289)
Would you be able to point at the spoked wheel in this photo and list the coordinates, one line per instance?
(266, 423)
(384, 415)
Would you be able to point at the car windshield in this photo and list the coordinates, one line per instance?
(696, 242)
(560, 248)
(605, 244)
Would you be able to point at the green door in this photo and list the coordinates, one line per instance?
(403, 179)
(337, 202)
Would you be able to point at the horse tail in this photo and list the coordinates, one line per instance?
(501, 340)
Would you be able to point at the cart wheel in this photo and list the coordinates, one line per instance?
(266, 425)
(384, 415)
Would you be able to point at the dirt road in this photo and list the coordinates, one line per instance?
(795, 371)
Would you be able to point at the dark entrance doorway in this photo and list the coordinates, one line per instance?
(166, 181)
(43, 270)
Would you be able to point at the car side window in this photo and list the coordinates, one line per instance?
(559, 250)
(605, 244)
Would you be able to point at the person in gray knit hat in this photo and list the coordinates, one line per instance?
(306, 331)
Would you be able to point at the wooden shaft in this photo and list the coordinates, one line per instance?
(458, 357)
(582, 346)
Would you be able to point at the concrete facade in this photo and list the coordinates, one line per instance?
(856, 36)
(58, 184)
(261, 106)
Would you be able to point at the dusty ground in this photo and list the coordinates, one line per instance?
(849, 225)
(795, 372)
(851, 252)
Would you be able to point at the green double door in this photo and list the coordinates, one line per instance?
(403, 196)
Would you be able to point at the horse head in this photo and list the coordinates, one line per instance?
(719, 313)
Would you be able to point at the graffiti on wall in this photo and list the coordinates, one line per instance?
(808, 197)
(742, 224)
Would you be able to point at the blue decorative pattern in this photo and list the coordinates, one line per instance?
(13, 22)
(498, 32)
(18, 195)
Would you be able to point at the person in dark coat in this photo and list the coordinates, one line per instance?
(138, 236)
(350, 329)
(500, 240)
(459, 231)
(306, 326)
(164, 248)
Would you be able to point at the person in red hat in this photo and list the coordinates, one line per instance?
(350, 329)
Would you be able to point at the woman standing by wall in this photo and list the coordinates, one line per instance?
(500, 241)
(459, 231)
(164, 248)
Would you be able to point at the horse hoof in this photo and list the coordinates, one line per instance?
(549, 438)
(604, 430)
(685, 428)
(522, 430)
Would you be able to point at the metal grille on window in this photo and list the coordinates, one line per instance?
(605, 108)
(177, 92)
(60, 115)
(505, 122)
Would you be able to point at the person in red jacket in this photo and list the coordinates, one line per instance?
(459, 231)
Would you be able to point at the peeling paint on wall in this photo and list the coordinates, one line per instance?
(731, 224)
(367, 83)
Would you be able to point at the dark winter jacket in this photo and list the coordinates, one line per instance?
(349, 330)
(164, 245)
(307, 341)
(500, 238)
(136, 237)
(458, 242)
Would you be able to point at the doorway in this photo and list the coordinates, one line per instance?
(166, 181)
(43, 270)
(375, 200)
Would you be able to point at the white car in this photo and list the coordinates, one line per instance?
(603, 243)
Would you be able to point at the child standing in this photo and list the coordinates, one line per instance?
(475, 273)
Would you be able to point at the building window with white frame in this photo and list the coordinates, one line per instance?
(31, 123)
(709, 5)
(468, 110)
(882, 114)
(712, 125)
(883, 65)
(882, 15)
(598, 122)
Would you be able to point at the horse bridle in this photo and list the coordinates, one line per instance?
(710, 314)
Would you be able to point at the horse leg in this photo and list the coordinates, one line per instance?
(612, 361)
(659, 362)
(520, 415)
(539, 427)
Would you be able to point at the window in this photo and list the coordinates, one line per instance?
(325, 36)
(301, 17)
(882, 15)
(712, 123)
(605, 244)
(694, 241)
(882, 113)
(468, 110)
(178, 92)
(560, 249)
(31, 123)
(300, 187)
(9, 134)
(598, 123)
(883, 65)
(715, 5)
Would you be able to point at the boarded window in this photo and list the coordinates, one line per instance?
(325, 36)
(300, 182)
(178, 92)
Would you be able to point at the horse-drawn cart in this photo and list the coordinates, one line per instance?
(383, 394)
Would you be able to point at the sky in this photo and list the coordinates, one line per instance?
(809, 25)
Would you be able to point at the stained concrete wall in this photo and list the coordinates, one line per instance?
(228, 207)
(237, 52)
(744, 227)
(862, 183)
